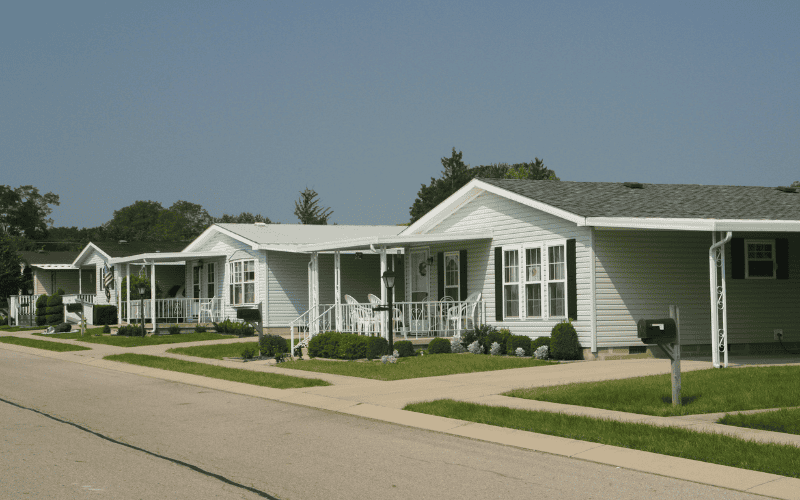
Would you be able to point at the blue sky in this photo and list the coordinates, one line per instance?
(238, 106)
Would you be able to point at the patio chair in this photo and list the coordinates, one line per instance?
(463, 313)
(397, 314)
(360, 315)
(206, 309)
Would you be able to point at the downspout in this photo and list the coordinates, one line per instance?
(718, 295)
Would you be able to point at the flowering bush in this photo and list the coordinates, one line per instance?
(475, 348)
(520, 352)
(542, 352)
(388, 359)
(456, 346)
(396, 354)
(495, 349)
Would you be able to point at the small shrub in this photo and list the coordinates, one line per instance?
(538, 342)
(475, 348)
(3, 320)
(63, 327)
(174, 330)
(106, 329)
(439, 345)
(272, 345)
(131, 331)
(520, 352)
(564, 342)
(478, 334)
(279, 357)
(457, 347)
(323, 345)
(104, 315)
(352, 346)
(248, 352)
(388, 359)
(199, 329)
(495, 349)
(377, 347)
(516, 341)
(499, 337)
(234, 328)
(405, 348)
(542, 352)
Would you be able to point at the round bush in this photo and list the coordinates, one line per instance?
(518, 341)
(271, 345)
(499, 336)
(106, 329)
(174, 330)
(323, 345)
(377, 347)
(439, 346)
(352, 346)
(405, 348)
(539, 342)
(63, 327)
(564, 342)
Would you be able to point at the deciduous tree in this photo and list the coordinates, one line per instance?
(25, 212)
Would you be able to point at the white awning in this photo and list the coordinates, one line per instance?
(54, 267)
(397, 241)
(164, 257)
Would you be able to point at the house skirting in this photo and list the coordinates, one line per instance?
(690, 351)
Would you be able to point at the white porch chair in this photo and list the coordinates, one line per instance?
(206, 309)
(397, 314)
(464, 313)
(360, 315)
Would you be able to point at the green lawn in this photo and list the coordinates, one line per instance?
(778, 459)
(702, 391)
(6, 328)
(784, 420)
(431, 365)
(215, 351)
(122, 341)
(233, 374)
(43, 344)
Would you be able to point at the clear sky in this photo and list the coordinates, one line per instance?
(238, 106)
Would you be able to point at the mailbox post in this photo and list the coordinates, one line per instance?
(666, 333)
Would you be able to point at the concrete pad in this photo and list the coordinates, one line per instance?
(783, 487)
(680, 468)
(403, 417)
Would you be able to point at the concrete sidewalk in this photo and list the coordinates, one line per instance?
(384, 401)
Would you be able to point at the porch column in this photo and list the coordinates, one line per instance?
(80, 281)
(128, 291)
(337, 288)
(153, 293)
(384, 298)
(314, 302)
(119, 295)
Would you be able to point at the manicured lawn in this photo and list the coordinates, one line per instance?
(233, 374)
(784, 420)
(122, 341)
(431, 365)
(6, 328)
(702, 391)
(43, 344)
(216, 351)
(713, 448)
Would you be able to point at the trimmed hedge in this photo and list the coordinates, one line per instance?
(132, 331)
(235, 328)
(564, 342)
(539, 342)
(405, 348)
(516, 341)
(41, 310)
(104, 315)
(377, 347)
(323, 345)
(352, 346)
(439, 345)
(271, 345)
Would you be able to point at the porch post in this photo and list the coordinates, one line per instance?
(119, 295)
(337, 288)
(384, 332)
(153, 293)
(80, 281)
(314, 292)
(128, 291)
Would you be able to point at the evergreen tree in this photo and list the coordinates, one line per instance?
(307, 210)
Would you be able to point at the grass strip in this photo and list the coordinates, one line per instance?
(43, 344)
(216, 351)
(702, 391)
(6, 328)
(122, 341)
(784, 420)
(274, 380)
(431, 365)
(778, 459)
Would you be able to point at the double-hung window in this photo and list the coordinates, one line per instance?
(511, 283)
(760, 259)
(535, 281)
(196, 282)
(243, 282)
(451, 275)
(211, 281)
(557, 281)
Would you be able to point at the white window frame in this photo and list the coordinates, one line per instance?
(747, 259)
(457, 286)
(508, 284)
(236, 279)
(544, 290)
(533, 282)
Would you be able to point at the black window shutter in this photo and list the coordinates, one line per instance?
(572, 291)
(737, 258)
(782, 258)
(440, 274)
(462, 278)
(498, 283)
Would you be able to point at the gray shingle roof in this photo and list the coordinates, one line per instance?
(693, 201)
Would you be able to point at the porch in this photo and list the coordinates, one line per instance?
(173, 310)
(22, 308)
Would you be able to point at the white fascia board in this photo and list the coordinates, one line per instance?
(87, 250)
(469, 191)
(164, 257)
(394, 242)
(694, 224)
(54, 267)
(222, 230)
(538, 205)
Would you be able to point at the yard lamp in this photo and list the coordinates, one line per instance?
(388, 281)
(142, 289)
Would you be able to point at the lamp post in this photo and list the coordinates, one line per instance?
(142, 289)
(388, 281)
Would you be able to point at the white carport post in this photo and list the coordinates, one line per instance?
(128, 291)
(153, 294)
(119, 295)
(719, 336)
(313, 309)
(384, 298)
(337, 288)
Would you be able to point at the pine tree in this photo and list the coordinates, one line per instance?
(307, 210)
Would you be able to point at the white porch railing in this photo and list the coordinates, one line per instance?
(415, 319)
(177, 310)
(22, 309)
